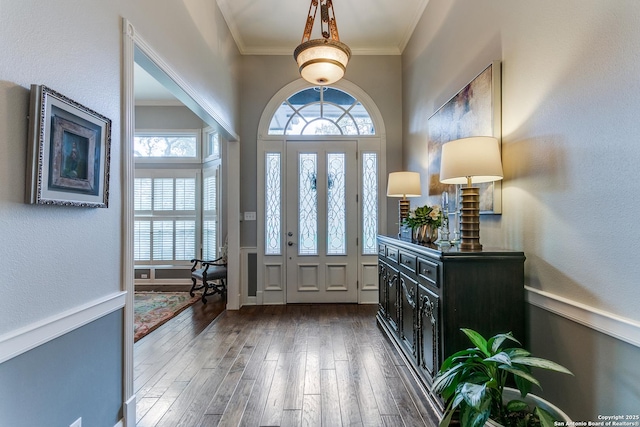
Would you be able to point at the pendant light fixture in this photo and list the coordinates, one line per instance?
(322, 61)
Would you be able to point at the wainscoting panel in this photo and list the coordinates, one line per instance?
(611, 324)
(31, 336)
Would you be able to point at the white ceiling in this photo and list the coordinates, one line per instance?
(368, 27)
(149, 91)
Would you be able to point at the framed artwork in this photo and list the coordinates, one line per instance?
(474, 111)
(69, 152)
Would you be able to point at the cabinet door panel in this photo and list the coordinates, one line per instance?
(408, 293)
(383, 300)
(392, 283)
(428, 326)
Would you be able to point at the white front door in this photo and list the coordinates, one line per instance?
(321, 226)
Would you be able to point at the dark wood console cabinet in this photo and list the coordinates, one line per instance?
(427, 294)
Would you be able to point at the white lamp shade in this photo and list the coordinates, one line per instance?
(404, 184)
(476, 157)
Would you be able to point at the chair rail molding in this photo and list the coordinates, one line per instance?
(21, 340)
(619, 327)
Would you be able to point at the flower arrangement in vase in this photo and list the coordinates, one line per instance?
(425, 221)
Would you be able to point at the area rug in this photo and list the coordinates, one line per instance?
(152, 309)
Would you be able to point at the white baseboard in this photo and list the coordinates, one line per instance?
(129, 410)
(26, 338)
(619, 327)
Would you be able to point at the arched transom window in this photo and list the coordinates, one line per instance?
(321, 111)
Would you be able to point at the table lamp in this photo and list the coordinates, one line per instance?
(468, 161)
(403, 184)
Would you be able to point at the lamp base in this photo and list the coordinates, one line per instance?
(404, 206)
(470, 219)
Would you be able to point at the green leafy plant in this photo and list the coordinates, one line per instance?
(424, 215)
(472, 383)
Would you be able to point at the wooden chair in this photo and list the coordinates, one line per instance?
(212, 276)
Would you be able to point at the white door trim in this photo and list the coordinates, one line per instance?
(131, 41)
(271, 274)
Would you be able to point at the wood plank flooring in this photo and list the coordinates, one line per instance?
(294, 365)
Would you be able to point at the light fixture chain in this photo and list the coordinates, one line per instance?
(324, 14)
(311, 17)
(331, 18)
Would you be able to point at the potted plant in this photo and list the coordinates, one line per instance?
(425, 221)
(473, 384)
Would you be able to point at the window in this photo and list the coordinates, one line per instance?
(321, 111)
(166, 145)
(176, 198)
(212, 144)
(165, 218)
(210, 221)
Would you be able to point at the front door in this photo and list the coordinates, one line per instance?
(321, 226)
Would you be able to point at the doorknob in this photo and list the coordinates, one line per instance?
(290, 233)
(290, 243)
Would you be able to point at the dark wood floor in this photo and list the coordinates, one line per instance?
(294, 365)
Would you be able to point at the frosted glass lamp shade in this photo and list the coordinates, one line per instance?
(404, 184)
(476, 157)
(321, 61)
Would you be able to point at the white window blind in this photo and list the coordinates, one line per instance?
(165, 223)
(210, 215)
(142, 240)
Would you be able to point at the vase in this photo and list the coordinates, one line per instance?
(426, 233)
(532, 400)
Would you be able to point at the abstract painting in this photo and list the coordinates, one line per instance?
(474, 111)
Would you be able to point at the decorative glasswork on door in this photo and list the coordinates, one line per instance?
(369, 203)
(273, 191)
(336, 205)
(308, 204)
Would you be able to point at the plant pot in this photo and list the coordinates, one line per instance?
(533, 401)
(426, 234)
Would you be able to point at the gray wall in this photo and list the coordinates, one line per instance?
(76, 49)
(167, 117)
(570, 97)
(76, 375)
(607, 378)
(263, 76)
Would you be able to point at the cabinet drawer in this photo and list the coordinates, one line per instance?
(408, 261)
(382, 249)
(428, 270)
(392, 254)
